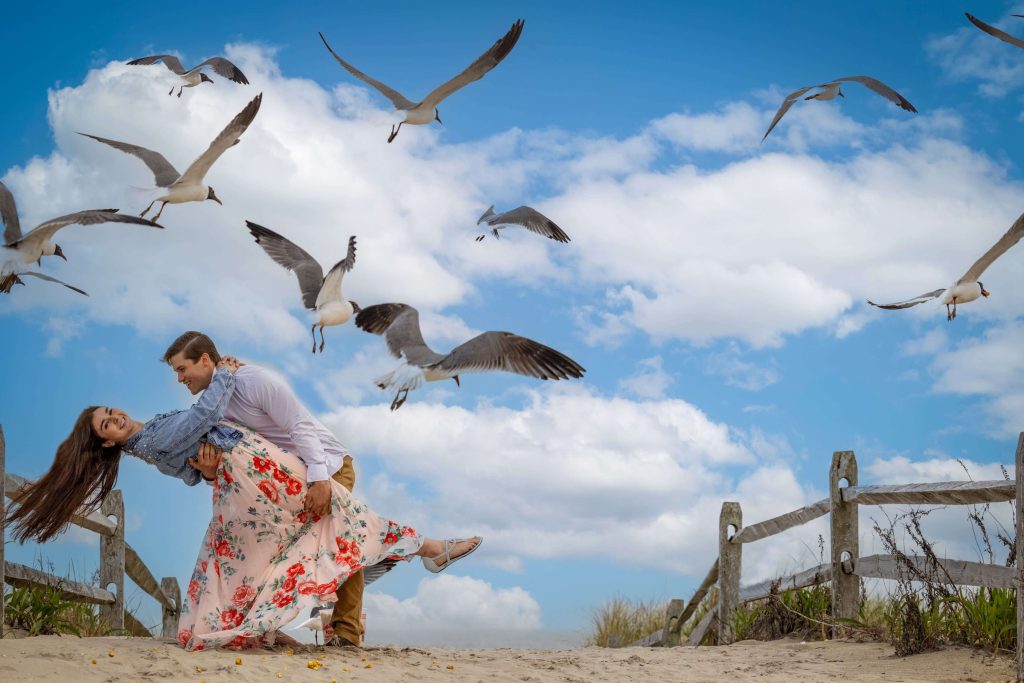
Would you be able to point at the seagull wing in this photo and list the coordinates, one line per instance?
(400, 325)
(478, 68)
(45, 231)
(170, 61)
(294, 258)
(882, 89)
(227, 139)
(44, 276)
(375, 571)
(1011, 238)
(512, 353)
(397, 98)
(331, 289)
(532, 220)
(9, 215)
(920, 299)
(163, 173)
(993, 31)
(787, 103)
(224, 68)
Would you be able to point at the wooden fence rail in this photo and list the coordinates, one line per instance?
(846, 568)
(117, 559)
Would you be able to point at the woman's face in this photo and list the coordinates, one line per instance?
(112, 424)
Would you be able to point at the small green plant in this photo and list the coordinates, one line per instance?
(619, 622)
(39, 610)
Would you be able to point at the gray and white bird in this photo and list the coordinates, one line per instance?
(400, 325)
(425, 111)
(19, 251)
(993, 31)
(194, 76)
(315, 622)
(189, 186)
(320, 294)
(524, 216)
(833, 89)
(969, 287)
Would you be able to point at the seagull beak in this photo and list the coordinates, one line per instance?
(59, 252)
(985, 292)
(457, 382)
(437, 117)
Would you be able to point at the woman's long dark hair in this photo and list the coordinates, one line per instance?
(82, 474)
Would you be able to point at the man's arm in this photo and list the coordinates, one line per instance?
(189, 425)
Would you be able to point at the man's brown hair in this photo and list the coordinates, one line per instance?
(194, 345)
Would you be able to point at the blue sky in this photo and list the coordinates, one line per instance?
(713, 290)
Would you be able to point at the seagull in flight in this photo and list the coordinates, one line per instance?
(531, 219)
(967, 288)
(833, 89)
(320, 294)
(425, 111)
(188, 186)
(400, 325)
(993, 31)
(194, 76)
(19, 251)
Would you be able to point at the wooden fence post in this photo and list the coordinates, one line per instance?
(112, 561)
(3, 515)
(729, 561)
(169, 585)
(1018, 505)
(845, 538)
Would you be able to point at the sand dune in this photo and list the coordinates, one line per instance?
(86, 660)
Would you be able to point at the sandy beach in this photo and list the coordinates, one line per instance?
(87, 660)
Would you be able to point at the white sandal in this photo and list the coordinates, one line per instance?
(430, 563)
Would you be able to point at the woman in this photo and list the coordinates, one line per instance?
(264, 560)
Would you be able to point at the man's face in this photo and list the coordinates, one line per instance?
(195, 375)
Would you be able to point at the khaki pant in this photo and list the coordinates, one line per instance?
(345, 619)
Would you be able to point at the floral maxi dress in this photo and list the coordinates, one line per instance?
(264, 560)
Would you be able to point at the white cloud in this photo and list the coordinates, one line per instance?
(452, 610)
(740, 373)
(649, 380)
(970, 54)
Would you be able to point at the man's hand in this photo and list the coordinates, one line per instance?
(208, 460)
(229, 363)
(318, 498)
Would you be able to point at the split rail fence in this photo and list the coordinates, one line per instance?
(117, 559)
(847, 567)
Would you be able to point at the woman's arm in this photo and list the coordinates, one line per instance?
(188, 425)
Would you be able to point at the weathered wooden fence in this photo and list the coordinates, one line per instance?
(117, 558)
(847, 567)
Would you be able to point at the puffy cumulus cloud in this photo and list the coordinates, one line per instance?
(970, 54)
(453, 610)
(741, 373)
(990, 366)
(649, 380)
(570, 473)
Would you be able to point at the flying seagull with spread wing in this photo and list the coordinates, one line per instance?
(524, 216)
(400, 325)
(19, 251)
(833, 89)
(425, 111)
(320, 294)
(967, 288)
(993, 31)
(190, 78)
(189, 186)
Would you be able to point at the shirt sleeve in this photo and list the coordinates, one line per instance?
(188, 425)
(281, 404)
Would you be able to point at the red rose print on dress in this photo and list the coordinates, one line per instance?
(307, 588)
(231, 618)
(282, 599)
(289, 584)
(184, 637)
(244, 594)
(294, 487)
(261, 464)
(280, 475)
(327, 588)
(296, 569)
(224, 550)
(193, 591)
(269, 490)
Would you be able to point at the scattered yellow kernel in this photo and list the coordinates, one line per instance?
(451, 667)
(200, 669)
(289, 651)
(314, 664)
(110, 654)
(94, 661)
(369, 666)
(345, 669)
(362, 659)
(279, 675)
(238, 660)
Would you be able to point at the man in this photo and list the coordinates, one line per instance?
(265, 403)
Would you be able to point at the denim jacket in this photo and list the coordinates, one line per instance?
(170, 439)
